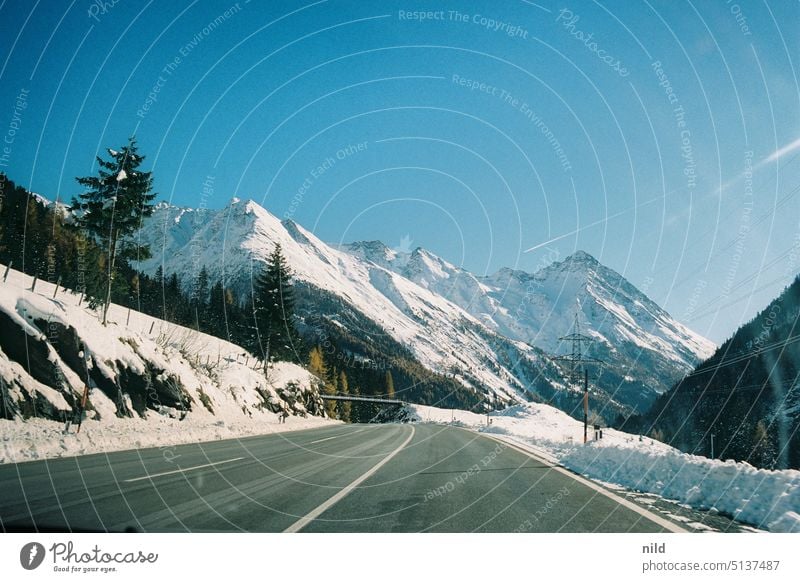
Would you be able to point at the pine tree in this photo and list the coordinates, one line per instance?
(345, 407)
(172, 291)
(763, 452)
(331, 387)
(318, 367)
(113, 206)
(275, 334)
(199, 299)
(215, 319)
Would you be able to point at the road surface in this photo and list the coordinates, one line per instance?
(343, 478)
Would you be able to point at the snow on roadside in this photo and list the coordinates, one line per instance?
(764, 498)
(37, 438)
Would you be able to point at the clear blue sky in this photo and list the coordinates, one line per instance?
(571, 139)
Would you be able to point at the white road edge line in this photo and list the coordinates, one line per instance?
(182, 470)
(342, 493)
(665, 523)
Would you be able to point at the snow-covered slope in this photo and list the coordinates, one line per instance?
(136, 367)
(493, 334)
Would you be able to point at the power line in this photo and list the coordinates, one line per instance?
(735, 360)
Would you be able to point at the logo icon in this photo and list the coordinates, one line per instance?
(31, 555)
(405, 245)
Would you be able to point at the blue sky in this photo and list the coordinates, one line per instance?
(665, 144)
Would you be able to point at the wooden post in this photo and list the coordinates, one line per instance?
(83, 406)
(8, 268)
(151, 328)
(585, 404)
(128, 321)
(33, 286)
(57, 284)
(80, 300)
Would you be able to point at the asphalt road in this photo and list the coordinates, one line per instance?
(344, 478)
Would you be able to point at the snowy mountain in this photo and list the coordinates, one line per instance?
(644, 349)
(491, 334)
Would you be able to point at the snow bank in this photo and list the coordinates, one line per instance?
(766, 499)
(37, 438)
(150, 382)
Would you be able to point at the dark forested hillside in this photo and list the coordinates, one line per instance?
(746, 395)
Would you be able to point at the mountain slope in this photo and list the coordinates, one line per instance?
(747, 394)
(644, 349)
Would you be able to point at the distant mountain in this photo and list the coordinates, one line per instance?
(644, 349)
(747, 395)
(489, 336)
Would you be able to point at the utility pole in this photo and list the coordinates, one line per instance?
(576, 362)
(712, 445)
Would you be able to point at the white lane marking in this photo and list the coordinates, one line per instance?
(665, 523)
(323, 440)
(315, 513)
(336, 437)
(182, 470)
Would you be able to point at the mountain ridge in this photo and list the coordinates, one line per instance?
(492, 333)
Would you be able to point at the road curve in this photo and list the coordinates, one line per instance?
(343, 478)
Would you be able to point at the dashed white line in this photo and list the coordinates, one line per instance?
(323, 440)
(336, 437)
(182, 470)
